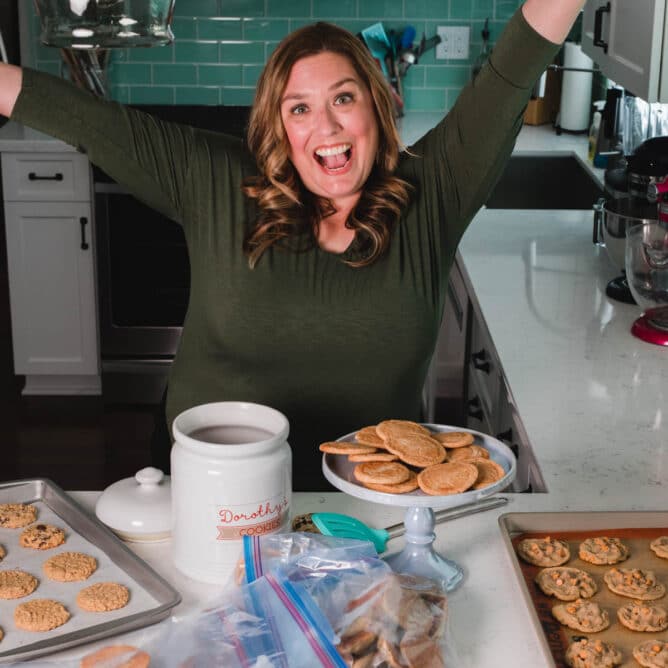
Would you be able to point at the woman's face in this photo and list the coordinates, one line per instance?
(328, 115)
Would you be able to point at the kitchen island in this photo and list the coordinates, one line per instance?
(592, 398)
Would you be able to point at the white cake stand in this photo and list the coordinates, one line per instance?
(418, 556)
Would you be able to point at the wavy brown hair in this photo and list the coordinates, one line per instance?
(289, 214)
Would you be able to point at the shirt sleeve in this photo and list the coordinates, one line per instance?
(151, 158)
(458, 162)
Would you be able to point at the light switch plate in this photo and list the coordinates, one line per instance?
(454, 42)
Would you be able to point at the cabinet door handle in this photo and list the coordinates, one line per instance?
(505, 435)
(83, 222)
(598, 26)
(36, 177)
(480, 361)
(474, 409)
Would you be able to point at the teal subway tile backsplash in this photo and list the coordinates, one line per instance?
(222, 45)
(288, 8)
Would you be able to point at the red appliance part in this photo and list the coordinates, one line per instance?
(645, 329)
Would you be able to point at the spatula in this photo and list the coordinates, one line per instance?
(345, 526)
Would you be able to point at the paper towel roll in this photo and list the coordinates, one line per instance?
(575, 90)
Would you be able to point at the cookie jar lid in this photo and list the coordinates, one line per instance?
(138, 509)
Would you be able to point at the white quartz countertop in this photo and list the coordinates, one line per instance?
(593, 400)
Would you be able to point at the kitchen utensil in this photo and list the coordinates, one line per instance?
(345, 526)
(407, 37)
(612, 220)
(138, 509)
(378, 43)
(418, 555)
(647, 272)
(88, 24)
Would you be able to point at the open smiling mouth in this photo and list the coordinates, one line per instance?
(334, 158)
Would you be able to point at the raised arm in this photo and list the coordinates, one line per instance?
(10, 87)
(552, 18)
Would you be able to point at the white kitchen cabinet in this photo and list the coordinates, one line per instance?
(50, 247)
(626, 39)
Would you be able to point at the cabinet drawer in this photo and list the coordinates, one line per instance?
(483, 365)
(45, 177)
(477, 415)
(511, 431)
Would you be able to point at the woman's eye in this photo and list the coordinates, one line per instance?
(298, 109)
(343, 98)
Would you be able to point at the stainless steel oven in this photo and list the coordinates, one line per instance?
(143, 269)
(143, 277)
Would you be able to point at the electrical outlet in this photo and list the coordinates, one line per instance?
(454, 42)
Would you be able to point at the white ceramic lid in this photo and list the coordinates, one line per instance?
(140, 508)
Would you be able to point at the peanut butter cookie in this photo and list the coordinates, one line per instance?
(42, 537)
(369, 436)
(448, 478)
(651, 653)
(40, 614)
(345, 448)
(544, 551)
(566, 584)
(382, 473)
(69, 567)
(103, 596)
(586, 653)
(489, 472)
(392, 428)
(603, 550)
(16, 584)
(373, 457)
(634, 583)
(468, 452)
(3, 553)
(643, 617)
(454, 439)
(416, 449)
(17, 515)
(409, 485)
(581, 615)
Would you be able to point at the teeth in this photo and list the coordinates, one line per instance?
(332, 150)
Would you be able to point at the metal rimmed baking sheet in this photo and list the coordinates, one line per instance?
(635, 528)
(151, 597)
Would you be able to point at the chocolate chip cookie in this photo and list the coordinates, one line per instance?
(42, 537)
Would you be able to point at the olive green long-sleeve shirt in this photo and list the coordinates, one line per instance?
(333, 347)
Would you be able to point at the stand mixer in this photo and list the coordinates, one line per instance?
(634, 191)
(647, 270)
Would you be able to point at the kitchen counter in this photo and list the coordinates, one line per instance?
(593, 400)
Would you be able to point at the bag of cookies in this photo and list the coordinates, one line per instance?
(273, 621)
(263, 554)
(324, 607)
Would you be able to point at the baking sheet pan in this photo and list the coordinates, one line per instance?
(151, 597)
(636, 529)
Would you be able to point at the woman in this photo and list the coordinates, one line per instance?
(319, 258)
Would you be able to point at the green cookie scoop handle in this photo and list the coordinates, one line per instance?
(345, 526)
